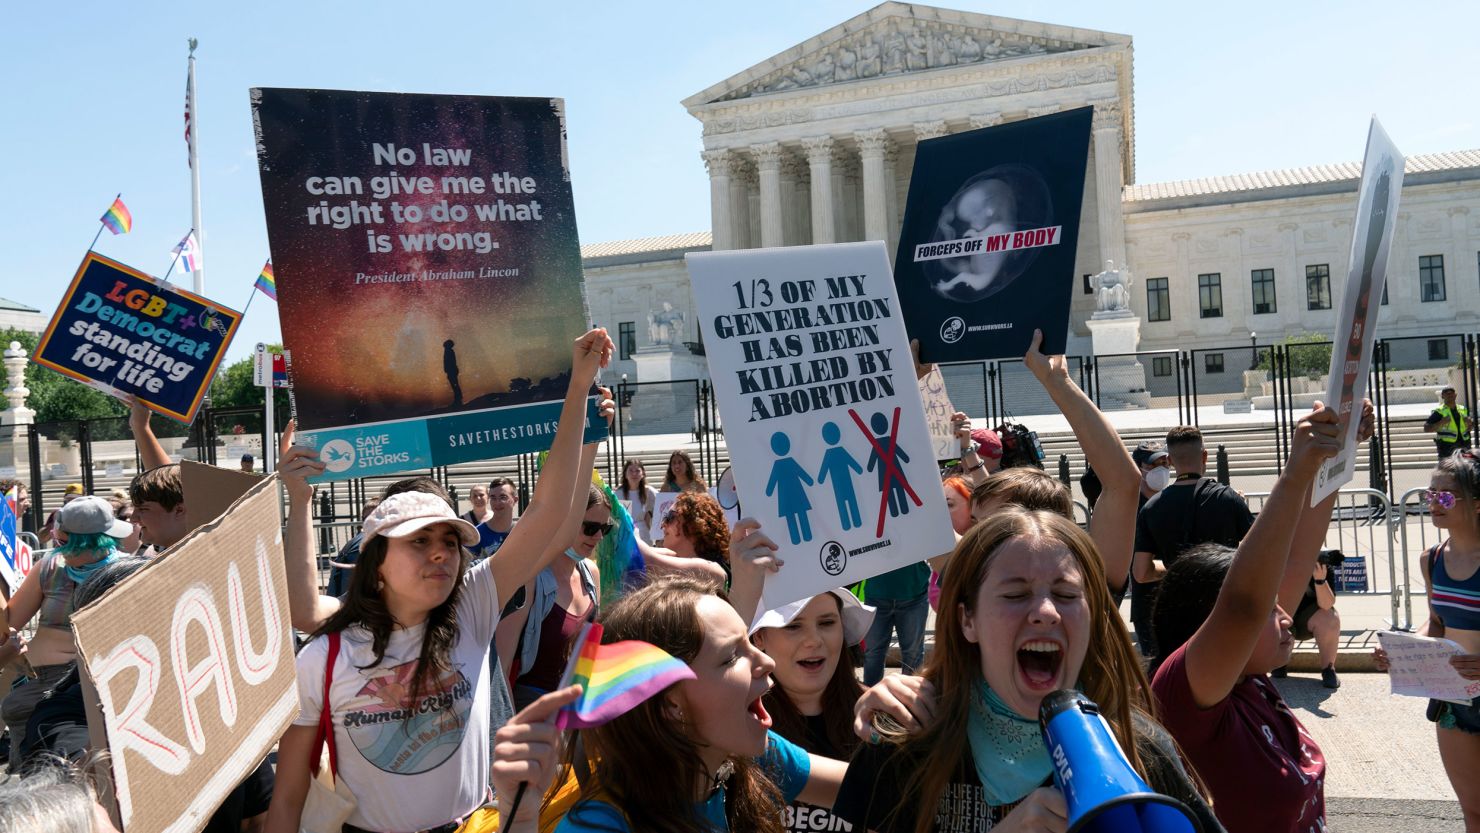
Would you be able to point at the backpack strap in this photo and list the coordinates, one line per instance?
(325, 734)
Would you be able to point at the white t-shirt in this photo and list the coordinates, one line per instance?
(409, 774)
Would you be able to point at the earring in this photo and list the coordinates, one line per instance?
(379, 585)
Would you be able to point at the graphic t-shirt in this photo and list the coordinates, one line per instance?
(489, 540)
(809, 818)
(786, 763)
(410, 765)
(1264, 770)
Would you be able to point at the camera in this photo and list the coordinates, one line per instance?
(1020, 447)
(1331, 558)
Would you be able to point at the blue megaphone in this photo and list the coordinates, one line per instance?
(1103, 792)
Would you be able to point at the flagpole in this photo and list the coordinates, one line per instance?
(250, 298)
(101, 226)
(179, 250)
(200, 239)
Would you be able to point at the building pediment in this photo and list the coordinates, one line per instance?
(895, 39)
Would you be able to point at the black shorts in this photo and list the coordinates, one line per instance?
(1465, 718)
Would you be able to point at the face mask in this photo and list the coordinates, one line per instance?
(1158, 478)
(573, 555)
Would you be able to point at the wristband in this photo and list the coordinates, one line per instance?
(1319, 580)
(977, 466)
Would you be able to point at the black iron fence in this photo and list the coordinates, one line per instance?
(1242, 393)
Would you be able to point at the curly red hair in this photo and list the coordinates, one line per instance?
(701, 520)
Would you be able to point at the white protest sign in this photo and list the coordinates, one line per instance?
(192, 663)
(1356, 331)
(811, 366)
(661, 506)
(1418, 666)
(938, 410)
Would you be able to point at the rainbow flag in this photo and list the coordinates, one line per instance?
(266, 282)
(616, 678)
(117, 218)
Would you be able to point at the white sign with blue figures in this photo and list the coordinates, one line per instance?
(811, 366)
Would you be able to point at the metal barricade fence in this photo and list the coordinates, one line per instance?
(1420, 512)
(329, 538)
(1365, 526)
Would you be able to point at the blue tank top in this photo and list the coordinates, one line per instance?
(1456, 602)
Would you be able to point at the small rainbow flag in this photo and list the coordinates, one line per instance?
(616, 678)
(117, 218)
(266, 282)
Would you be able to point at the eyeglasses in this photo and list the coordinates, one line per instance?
(670, 516)
(589, 528)
(1439, 496)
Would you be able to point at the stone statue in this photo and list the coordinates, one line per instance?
(918, 56)
(869, 64)
(942, 53)
(847, 64)
(1113, 293)
(824, 70)
(665, 327)
(894, 47)
(968, 50)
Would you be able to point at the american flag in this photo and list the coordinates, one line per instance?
(189, 252)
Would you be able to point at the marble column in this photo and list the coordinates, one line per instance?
(819, 158)
(768, 168)
(1109, 182)
(721, 222)
(985, 120)
(795, 214)
(930, 130)
(740, 235)
(873, 149)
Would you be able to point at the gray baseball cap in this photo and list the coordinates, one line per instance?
(90, 515)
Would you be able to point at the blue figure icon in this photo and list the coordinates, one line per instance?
(891, 475)
(840, 465)
(787, 477)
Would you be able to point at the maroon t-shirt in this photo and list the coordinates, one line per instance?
(1265, 772)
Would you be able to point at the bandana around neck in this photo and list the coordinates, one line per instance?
(1008, 750)
(80, 573)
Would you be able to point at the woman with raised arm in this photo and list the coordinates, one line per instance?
(1221, 628)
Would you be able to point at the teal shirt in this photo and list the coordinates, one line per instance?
(900, 585)
(786, 763)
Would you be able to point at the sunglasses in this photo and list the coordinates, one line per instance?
(589, 528)
(670, 516)
(1439, 496)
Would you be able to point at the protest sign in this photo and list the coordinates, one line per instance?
(991, 228)
(126, 333)
(191, 662)
(1356, 330)
(938, 411)
(428, 273)
(661, 506)
(11, 568)
(210, 490)
(812, 371)
(1418, 666)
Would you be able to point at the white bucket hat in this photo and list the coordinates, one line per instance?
(400, 515)
(857, 616)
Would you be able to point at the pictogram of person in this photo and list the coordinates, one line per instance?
(449, 366)
(787, 477)
(891, 475)
(838, 464)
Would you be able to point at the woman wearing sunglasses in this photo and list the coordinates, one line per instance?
(695, 527)
(1451, 570)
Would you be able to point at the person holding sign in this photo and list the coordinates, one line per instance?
(92, 536)
(404, 658)
(1451, 571)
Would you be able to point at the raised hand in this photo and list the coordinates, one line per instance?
(526, 753)
(606, 406)
(590, 353)
(751, 550)
(1315, 439)
(1044, 368)
(297, 464)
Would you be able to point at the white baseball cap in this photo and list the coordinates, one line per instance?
(857, 616)
(400, 515)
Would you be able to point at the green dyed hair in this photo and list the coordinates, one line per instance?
(79, 542)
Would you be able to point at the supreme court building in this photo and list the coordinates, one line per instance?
(816, 145)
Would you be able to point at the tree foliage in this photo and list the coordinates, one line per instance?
(1309, 354)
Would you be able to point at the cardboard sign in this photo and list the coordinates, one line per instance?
(991, 229)
(192, 663)
(1419, 667)
(428, 273)
(126, 333)
(938, 411)
(210, 490)
(812, 373)
(1356, 330)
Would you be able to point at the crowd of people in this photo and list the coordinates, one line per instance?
(435, 654)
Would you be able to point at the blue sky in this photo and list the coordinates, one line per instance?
(93, 101)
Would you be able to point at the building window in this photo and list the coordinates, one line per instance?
(1438, 349)
(626, 339)
(1431, 278)
(1158, 300)
(1161, 365)
(1089, 285)
(1262, 281)
(1318, 286)
(1210, 295)
(1213, 362)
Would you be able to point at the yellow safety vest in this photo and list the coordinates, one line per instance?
(1448, 432)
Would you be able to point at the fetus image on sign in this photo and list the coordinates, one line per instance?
(991, 205)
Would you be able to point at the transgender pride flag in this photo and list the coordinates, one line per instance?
(189, 252)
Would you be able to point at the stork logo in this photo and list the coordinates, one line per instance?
(337, 455)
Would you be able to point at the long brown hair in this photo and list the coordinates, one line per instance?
(1111, 675)
(838, 699)
(645, 762)
(695, 481)
(364, 602)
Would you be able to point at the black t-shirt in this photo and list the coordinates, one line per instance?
(809, 818)
(873, 795)
(1182, 516)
